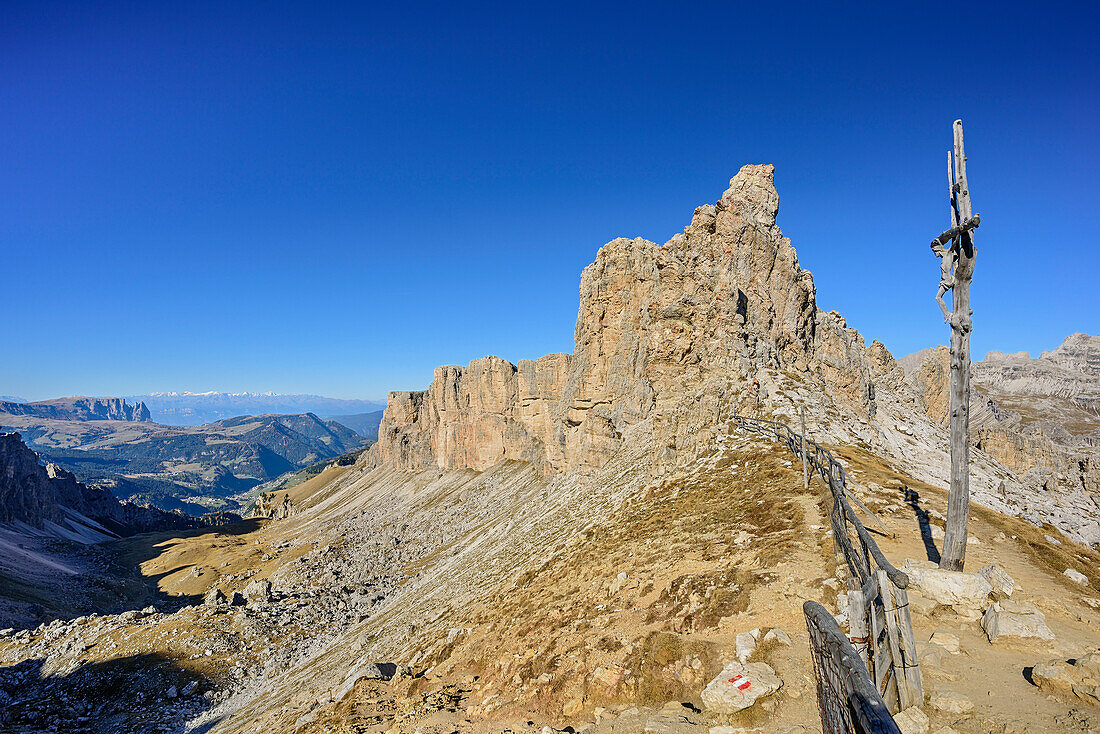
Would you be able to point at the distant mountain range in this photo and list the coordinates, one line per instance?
(79, 408)
(1040, 417)
(365, 424)
(196, 469)
(193, 409)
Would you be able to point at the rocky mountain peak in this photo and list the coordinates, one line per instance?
(80, 408)
(675, 334)
(1079, 353)
(754, 188)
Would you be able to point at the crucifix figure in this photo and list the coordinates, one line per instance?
(950, 260)
(949, 256)
(955, 248)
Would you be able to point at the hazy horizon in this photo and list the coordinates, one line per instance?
(382, 399)
(195, 393)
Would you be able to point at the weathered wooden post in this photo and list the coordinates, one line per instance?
(805, 471)
(956, 272)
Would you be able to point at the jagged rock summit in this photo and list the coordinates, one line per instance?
(676, 333)
(721, 320)
(80, 408)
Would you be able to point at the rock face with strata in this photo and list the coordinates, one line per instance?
(673, 333)
(1039, 418)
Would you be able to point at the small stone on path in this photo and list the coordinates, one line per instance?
(778, 634)
(950, 702)
(911, 721)
(946, 640)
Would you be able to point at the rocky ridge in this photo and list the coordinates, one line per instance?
(675, 333)
(80, 408)
(720, 320)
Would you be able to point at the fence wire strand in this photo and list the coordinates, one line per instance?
(847, 699)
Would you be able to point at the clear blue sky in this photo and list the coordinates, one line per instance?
(270, 196)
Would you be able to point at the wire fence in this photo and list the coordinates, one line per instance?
(848, 700)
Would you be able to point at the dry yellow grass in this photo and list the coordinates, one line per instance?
(637, 609)
(1054, 558)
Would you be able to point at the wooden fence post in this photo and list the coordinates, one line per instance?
(857, 619)
(805, 471)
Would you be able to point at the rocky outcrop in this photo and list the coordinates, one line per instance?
(931, 378)
(50, 500)
(721, 320)
(1079, 353)
(81, 409)
(274, 506)
(1061, 386)
(1031, 415)
(674, 333)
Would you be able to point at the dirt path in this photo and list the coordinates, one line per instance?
(993, 676)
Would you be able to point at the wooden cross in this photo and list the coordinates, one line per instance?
(956, 272)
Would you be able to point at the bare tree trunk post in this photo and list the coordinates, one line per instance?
(805, 471)
(962, 258)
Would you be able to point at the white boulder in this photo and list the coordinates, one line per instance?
(1009, 618)
(1003, 584)
(949, 588)
(746, 643)
(739, 685)
(1076, 576)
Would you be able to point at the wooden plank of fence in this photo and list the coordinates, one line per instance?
(908, 646)
(893, 637)
(879, 655)
(890, 692)
(867, 511)
(857, 621)
(898, 577)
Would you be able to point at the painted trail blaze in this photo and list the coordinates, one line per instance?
(741, 682)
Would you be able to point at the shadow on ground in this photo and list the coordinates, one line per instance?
(98, 579)
(912, 498)
(130, 694)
